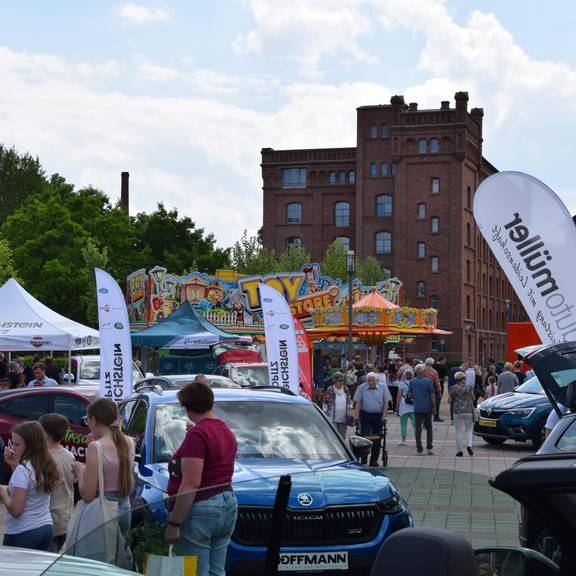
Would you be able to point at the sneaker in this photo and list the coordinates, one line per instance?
(459, 454)
(402, 443)
(419, 453)
(470, 451)
(430, 453)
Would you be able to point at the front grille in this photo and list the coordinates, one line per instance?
(331, 526)
(492, 414)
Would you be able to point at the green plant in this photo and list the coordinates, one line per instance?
(146, 538)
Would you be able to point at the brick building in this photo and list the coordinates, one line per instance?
(403, 195)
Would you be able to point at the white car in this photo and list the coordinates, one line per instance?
(86, 371)
(25, 562)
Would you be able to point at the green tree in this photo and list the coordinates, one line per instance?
(7, 269)
(292, 259)
(94, 257)
(334, 262)
(370, 271)
(248, 256)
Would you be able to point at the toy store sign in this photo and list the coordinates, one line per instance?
(289, 285)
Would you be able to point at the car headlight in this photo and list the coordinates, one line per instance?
(392, 505)
(522, 412)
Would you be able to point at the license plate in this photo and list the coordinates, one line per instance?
(313, 561)
(487, 423)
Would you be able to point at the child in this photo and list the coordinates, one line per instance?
(62, 498)
(491, 388)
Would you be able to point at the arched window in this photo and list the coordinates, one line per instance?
(373, 131)
(342, 214)
(421, 289)
(383, 243)
(434, 146)
(384, 206)
(384, 169)
(342, 177)
(332, 178)
(421, 211)
(435, 301)
(468, 271)
(435, 186)
(294, 241)
(352, 177)
(393, 168)
(468, 235)
(345, 241)
(434, 224)
(468, 307)
(384, 130)
(434, 264)
(422, 146)
(421, 251)
(294, 213)
(387, 272)
(373, 169)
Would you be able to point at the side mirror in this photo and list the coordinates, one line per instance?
(360, 446)
(514, 562)
(69, 378)
(149, 375)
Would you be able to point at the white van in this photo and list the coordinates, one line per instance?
(86, 371)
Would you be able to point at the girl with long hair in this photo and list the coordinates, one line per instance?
(27, 496)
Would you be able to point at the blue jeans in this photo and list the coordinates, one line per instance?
(206, 532)
(38, 539)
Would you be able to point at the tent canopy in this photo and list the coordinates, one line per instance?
(27, 324)
(374, 300)
(184, 329)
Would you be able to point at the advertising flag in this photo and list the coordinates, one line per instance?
(532, 235)
(304, 361)
(115, 344)
(280, 336)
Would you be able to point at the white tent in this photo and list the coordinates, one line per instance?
(26, 324)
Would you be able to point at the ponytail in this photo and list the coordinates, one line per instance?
(122, 444)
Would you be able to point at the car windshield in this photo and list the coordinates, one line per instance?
(531, 386)
(276, 430)
(251, 376)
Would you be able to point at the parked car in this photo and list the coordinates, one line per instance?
(335, 504)
(85, 371)
(22, 404)
(247, 374)
(177, 381)
(519, 415)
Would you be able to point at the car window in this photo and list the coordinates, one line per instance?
(70, 406)
(126, 412)
(276, 430)
(137, 423)
(567, 442)
(29, 407)
(531, 386)
(251, 376)
(90, 370)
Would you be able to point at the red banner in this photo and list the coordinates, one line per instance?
(304, 361)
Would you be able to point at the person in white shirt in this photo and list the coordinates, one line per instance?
(470, 376)
(40, 378)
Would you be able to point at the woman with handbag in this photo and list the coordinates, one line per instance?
(102, 517)
(405, 406)
(337, 403)
(462, 402)
(27, 496)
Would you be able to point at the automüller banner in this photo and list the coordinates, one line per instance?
(533, 237)
(115, 344)
(280, 335)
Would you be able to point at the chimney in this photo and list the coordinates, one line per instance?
(461, 100)
(445, 105)
(125, 191)
(413, 106)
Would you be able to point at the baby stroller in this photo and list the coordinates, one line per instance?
(378, 442)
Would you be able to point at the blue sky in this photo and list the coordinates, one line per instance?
(185, 94)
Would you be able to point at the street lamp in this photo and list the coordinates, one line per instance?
(350, 270)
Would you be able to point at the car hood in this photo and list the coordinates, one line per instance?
(25, 562)
(512, 400)
(326, 483)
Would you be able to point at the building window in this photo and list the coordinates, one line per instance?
(342, 177)
(373, 131)
(345, 241)
(421, 289)
(468, 307)
(373, 169)
(435, 186)
(434, 146)
(422, 146)
(294, 177)
(384, 169)
(294, 241)
(387, 272)
(434, 224)
(435, 302)
(332, 178)
(468, 271)
(468, 235)
(384, 130)
(421, 249)
(294, 213)
(383, 243)
(393, 168)
(421, 211)
(384, 206)
(352, 177)
(434, 264)
(342, 214)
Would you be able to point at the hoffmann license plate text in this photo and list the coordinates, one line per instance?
(313, 561)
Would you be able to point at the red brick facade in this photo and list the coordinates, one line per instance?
(409, 184)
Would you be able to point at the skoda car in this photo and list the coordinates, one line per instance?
(519, 415)
(337, 509)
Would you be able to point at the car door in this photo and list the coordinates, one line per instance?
(74, 408)
(21, 407)
(134, 416)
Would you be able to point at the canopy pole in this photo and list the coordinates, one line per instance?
(70, 361)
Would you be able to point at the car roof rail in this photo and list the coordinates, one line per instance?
(279, 389)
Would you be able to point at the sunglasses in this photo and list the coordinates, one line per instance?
(84, 420)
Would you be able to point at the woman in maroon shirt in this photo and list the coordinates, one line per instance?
(205, 508)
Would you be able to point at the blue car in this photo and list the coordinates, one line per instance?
(339, 512)
(519, 415)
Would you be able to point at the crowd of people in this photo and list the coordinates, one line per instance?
(364, 394)
(20, 374)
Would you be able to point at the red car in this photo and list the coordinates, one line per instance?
(23, 404)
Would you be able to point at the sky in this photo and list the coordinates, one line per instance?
(185, 94)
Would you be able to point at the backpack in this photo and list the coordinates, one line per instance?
(409, 397)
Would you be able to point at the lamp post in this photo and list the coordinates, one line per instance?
(507, 306)
(350, 270)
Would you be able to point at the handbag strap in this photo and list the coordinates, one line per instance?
(100, 471)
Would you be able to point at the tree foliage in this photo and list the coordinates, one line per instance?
(292, 259)
(7, 269)
(334, 262)
(370, 271)
(249, 256)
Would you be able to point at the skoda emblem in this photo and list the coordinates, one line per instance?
(304, 499)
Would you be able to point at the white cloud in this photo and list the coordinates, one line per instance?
(305, 31)
(138, 14)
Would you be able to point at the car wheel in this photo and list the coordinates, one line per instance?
(546, 544)
(539, 435)
(494, 441)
